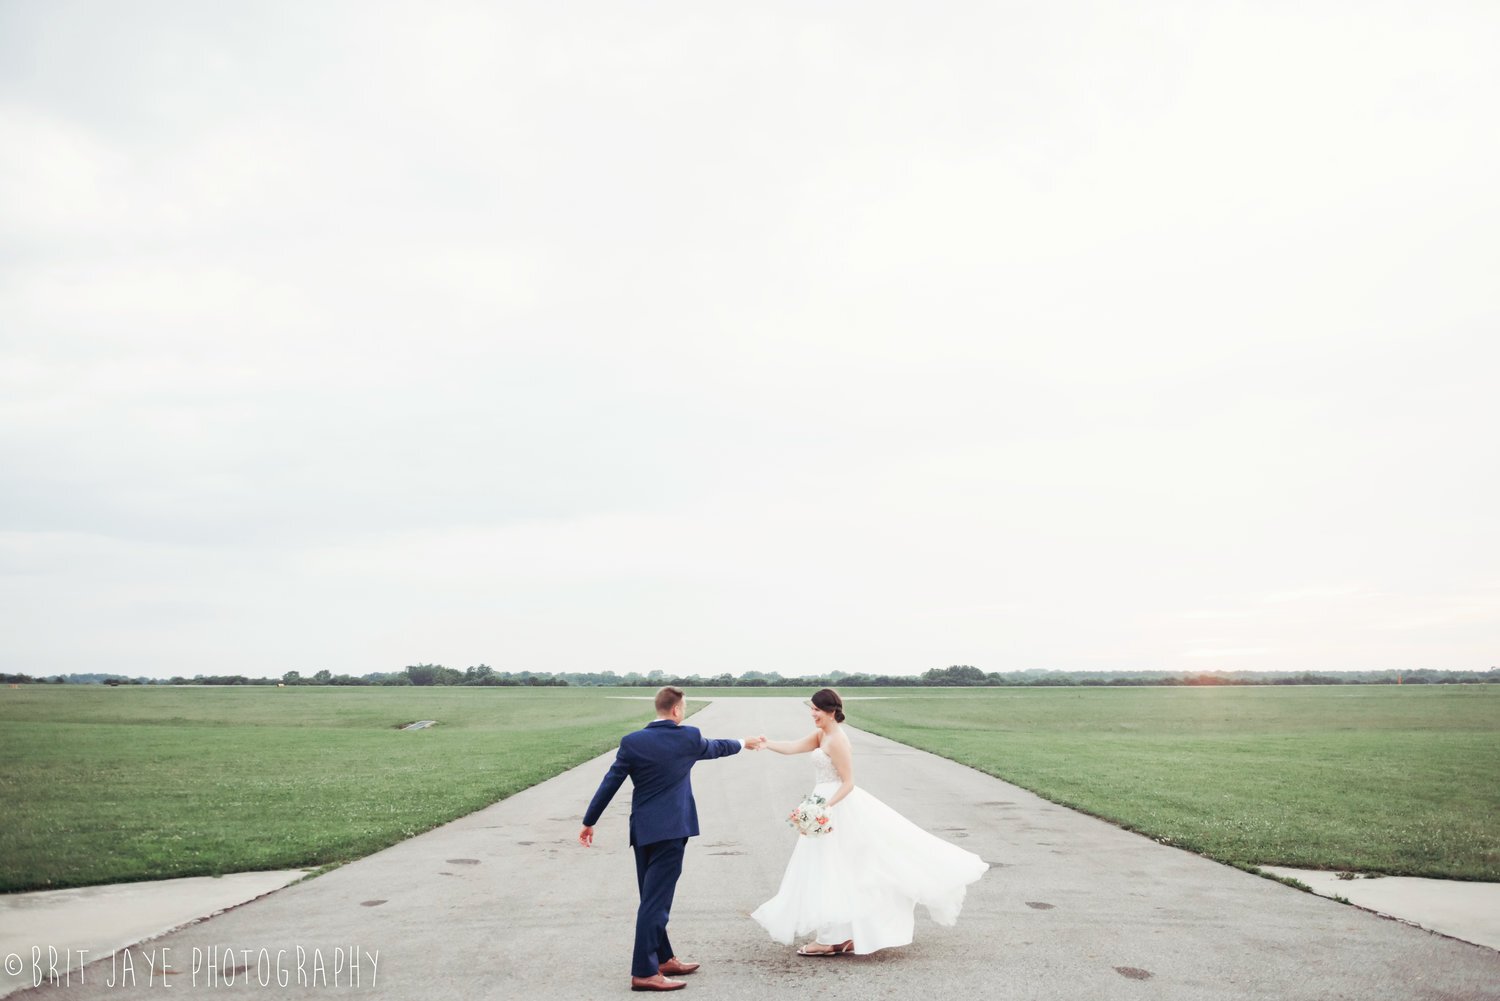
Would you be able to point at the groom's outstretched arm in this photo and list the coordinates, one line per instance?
(718, 748)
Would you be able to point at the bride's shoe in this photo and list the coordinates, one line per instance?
(832, 950)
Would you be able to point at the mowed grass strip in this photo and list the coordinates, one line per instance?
(104, 785)
(1396, 780)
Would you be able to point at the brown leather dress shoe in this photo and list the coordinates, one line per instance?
(675, 967)
(656, 983)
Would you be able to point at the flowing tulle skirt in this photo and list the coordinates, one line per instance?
(864, 880)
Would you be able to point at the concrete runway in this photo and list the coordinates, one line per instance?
(505, 904)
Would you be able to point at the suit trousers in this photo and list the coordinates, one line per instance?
(657, 867)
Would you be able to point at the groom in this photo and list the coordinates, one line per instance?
(658, 758)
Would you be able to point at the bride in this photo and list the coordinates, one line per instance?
(857, 887)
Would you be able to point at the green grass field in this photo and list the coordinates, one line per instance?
(113, 784)
(1402, 781)
(102, 785)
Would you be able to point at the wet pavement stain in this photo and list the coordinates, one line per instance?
(1133, 972)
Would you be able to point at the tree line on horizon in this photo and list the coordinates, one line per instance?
(958, 675)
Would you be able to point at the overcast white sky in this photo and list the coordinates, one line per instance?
(716, 337)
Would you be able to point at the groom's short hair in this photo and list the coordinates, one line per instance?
(666, 698)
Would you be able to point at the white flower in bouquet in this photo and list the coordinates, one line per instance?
(811, 817)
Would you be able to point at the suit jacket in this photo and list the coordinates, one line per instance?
(658, 758)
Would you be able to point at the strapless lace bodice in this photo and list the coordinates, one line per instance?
(823, 770)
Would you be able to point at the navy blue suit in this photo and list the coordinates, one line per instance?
(659, 759)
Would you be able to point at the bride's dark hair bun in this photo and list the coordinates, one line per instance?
(828, 700)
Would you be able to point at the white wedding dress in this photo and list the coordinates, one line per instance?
(864, 879)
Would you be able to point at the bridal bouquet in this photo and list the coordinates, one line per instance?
(811, 816)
